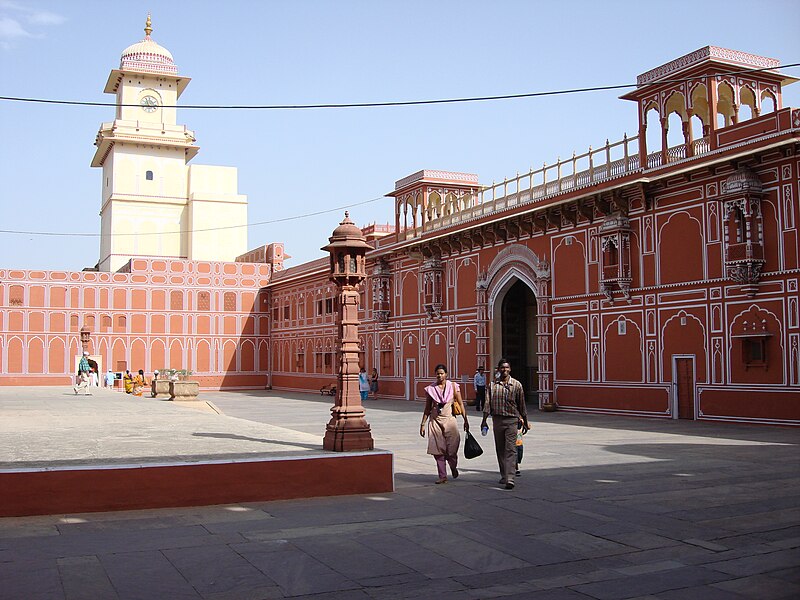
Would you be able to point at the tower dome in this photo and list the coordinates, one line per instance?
(148, 56)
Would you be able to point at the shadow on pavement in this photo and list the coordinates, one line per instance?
(233, 436)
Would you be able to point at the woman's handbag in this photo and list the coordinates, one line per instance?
(456, 405)
(471, 447)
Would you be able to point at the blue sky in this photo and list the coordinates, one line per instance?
(299, 162)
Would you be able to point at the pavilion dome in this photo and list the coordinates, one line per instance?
(743, 180)
(148, 56)
(347, 230)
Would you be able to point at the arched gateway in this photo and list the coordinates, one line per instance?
(514, 318)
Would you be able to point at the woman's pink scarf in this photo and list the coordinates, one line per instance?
(438, 397)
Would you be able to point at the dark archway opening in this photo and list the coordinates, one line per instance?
(518, 314)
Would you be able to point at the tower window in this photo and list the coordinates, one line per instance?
(149, 176)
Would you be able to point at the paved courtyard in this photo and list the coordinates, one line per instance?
(606, 508)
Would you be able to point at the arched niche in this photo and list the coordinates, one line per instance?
(768, 102)
(748, 108)
(725, 105)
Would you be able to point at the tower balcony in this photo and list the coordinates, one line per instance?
(142, 132)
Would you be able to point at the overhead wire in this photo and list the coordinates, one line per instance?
(331, 106)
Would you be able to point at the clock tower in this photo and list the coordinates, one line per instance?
(154, 204)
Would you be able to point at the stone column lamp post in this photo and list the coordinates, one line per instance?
(348, 429)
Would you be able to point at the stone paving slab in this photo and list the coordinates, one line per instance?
(606, 507)
(54, 427)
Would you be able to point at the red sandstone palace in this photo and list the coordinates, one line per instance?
(643, 277)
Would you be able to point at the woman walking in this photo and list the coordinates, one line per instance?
(442, 428)
(363, 384)
(373, 384)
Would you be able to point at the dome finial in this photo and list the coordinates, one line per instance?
(148, 29)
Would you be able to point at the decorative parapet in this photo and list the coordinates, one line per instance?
(602, 165)
(733, 57)
(438, 177)
(610, 161)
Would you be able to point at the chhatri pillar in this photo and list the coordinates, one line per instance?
(348, 429)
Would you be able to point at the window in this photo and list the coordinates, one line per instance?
(203, 301)
(328, 306)
(386, 361)
(570, 330)
(319, 307)
(286, 313)
(176, 300)
(230, 301)
(754, 352)
(622, 328)
(301, 360)
(16, 295)
(148, 176)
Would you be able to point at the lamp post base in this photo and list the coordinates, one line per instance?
(341, 437)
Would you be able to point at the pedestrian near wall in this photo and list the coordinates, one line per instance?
(479, 381)
(373, 384)
(363, 384)
(506, 404)
(83, 364)
(83, 384)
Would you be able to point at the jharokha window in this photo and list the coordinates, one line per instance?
(743, 229)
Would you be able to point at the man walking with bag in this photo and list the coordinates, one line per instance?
(506, 404)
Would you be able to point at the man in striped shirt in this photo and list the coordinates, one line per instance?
(506, 403)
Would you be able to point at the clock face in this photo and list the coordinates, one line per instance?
(149, 104)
